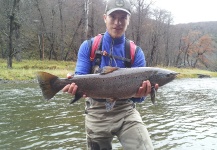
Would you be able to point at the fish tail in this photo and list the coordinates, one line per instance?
(46, 81)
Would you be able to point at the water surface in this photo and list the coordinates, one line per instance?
(184, 118)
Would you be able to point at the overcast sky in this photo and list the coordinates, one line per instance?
(186, 11)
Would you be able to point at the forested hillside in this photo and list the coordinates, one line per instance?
(198, 44)
(54, 30)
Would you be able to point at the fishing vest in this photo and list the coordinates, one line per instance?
(96, 51)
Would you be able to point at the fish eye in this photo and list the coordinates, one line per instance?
(168, 75)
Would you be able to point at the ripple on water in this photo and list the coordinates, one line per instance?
(185, 117)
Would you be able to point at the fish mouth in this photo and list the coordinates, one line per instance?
(173, 74)
(176, 73)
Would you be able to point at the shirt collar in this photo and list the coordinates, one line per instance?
(116, 40)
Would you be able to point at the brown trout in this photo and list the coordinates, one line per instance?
(112, 83)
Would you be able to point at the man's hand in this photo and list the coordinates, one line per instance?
(70, 88)
(145, 89)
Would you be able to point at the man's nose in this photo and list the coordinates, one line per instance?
(117, 21)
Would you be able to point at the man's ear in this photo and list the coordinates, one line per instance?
(128, 20)
(104, 17)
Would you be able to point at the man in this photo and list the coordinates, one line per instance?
(104, 118)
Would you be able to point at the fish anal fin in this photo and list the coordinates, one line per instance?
(108, 69)
(78, 95)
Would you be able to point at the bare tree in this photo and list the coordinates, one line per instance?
(13, 26)
(96, 23)
(48, 22)
(156, 39)
(141, 12)
(168, 51)
(85, 19)
(42, 32)
(60, 3)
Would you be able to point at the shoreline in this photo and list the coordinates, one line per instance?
(25, 71)
(3, 81)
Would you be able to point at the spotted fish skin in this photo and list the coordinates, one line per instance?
(121, 83)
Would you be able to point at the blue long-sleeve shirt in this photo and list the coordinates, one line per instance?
(111, 46)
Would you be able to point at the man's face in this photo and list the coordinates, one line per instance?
(116, 23)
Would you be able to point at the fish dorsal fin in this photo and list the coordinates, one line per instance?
(108, 69)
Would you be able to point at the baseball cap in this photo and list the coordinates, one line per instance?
(114, 5)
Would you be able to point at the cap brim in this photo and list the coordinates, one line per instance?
(115, 9)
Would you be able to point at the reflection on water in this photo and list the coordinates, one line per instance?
(185, 117)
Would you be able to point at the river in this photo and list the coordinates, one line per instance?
(184, 117)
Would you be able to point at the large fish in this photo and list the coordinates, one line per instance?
(112, 83)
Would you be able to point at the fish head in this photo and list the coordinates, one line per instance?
(162, 77)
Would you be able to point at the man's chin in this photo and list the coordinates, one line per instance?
(116, 35)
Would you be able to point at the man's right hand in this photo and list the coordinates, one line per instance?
(70, 88)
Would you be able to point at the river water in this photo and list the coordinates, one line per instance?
(184, 117)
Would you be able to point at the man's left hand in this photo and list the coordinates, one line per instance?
(145, 89)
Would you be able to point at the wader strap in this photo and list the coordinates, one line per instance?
(130, 51)
(127, 53)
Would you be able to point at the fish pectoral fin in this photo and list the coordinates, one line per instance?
(108, 69)
(153, 94)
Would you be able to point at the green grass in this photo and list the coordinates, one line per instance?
(192, 72)
(26, 69)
